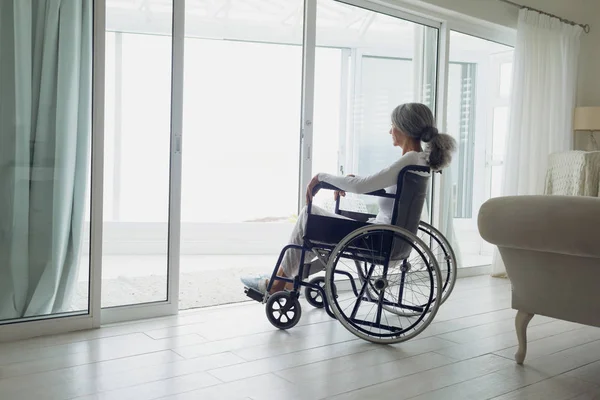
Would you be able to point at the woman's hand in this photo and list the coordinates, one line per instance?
(338, 193)
(309, 189)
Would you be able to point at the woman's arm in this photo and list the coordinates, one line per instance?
(380, 180)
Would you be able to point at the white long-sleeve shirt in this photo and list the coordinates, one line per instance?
(386, 179)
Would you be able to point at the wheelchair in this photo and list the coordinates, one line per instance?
(383, 283)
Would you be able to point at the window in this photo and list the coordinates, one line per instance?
(479, 83)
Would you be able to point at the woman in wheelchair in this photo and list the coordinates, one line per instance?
(411, 125)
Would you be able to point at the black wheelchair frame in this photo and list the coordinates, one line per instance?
(323, 233)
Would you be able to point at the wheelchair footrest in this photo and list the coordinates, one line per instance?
(254, 294)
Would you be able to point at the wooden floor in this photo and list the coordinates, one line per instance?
(234, 353)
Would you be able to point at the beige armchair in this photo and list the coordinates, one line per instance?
(550, 246)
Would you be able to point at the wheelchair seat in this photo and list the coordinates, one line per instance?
(411, 191)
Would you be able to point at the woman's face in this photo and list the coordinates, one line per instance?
(397, 136)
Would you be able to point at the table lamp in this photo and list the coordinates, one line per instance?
(588, 119)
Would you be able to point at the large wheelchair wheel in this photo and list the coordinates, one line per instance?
(388, 303)
(443, 254)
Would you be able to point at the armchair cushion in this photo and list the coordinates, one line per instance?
(567, 225)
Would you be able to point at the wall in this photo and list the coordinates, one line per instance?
(582, 11)
(589, 66)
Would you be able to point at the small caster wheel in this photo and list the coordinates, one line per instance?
(283, 310)
(313, 296)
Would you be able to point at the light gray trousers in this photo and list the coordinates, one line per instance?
(291, 259)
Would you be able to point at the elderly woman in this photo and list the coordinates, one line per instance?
(411, 125)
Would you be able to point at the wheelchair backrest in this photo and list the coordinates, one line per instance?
(411, 192)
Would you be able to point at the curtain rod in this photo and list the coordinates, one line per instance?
(586, 27)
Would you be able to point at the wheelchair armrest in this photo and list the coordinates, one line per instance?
(350, 214)
(328, 186)
(356, 215)
(324, 185)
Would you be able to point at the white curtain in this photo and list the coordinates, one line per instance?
(542, 103)
(45, 131)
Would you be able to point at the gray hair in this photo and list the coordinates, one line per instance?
(416, 120)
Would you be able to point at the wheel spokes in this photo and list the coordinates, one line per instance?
(390, 302)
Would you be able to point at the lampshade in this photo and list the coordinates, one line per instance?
(586, 119)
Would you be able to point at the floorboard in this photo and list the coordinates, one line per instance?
(233, 352)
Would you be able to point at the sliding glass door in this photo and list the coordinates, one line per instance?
(136, 153)
(141, 159)
(273, 91)
(90, 163)
(46, 111)
(243, 80)
(479, 80)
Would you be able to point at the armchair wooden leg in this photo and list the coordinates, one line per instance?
(521, 321)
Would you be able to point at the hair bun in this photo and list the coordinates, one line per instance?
(428, 133)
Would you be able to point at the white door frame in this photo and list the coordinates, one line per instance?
(443, 52)
(97, 183)
(171, 305)
(308, 92)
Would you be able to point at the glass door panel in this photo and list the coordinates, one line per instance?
(241, 141)
(383, 86)
(381, 61)
(331, 103)
(45, 159)
(137, 152)
(479, 82)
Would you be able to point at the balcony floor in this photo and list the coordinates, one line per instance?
(206, 280)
